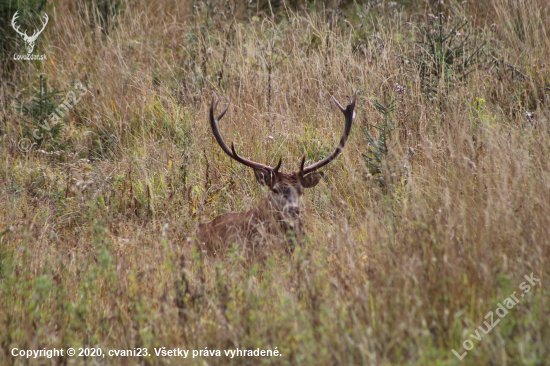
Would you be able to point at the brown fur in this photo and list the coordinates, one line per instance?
(248, 230)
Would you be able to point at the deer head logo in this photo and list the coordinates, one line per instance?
(29, 41)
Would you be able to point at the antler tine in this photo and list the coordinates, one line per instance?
(216, 105)
(302, 165)
(348, 114)
(338, 104)
(276, 169)
(214, 124)
(300, 174)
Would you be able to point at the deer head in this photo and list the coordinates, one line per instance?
(285, 189)
(29, 41)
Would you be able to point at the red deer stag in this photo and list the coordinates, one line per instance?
(279, 212)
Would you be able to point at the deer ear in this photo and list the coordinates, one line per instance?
(312, 179)
(263, 177)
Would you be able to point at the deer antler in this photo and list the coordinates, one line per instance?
(36, 34)
(231, 152)
(24, 35)
(274, 172)
(348, 114)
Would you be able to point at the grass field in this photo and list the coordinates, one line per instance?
(431, 218)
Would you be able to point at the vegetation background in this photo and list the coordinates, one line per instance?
(433, 214)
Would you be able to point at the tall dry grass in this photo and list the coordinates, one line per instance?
(399, 268)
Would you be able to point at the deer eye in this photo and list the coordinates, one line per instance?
(276, 190)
